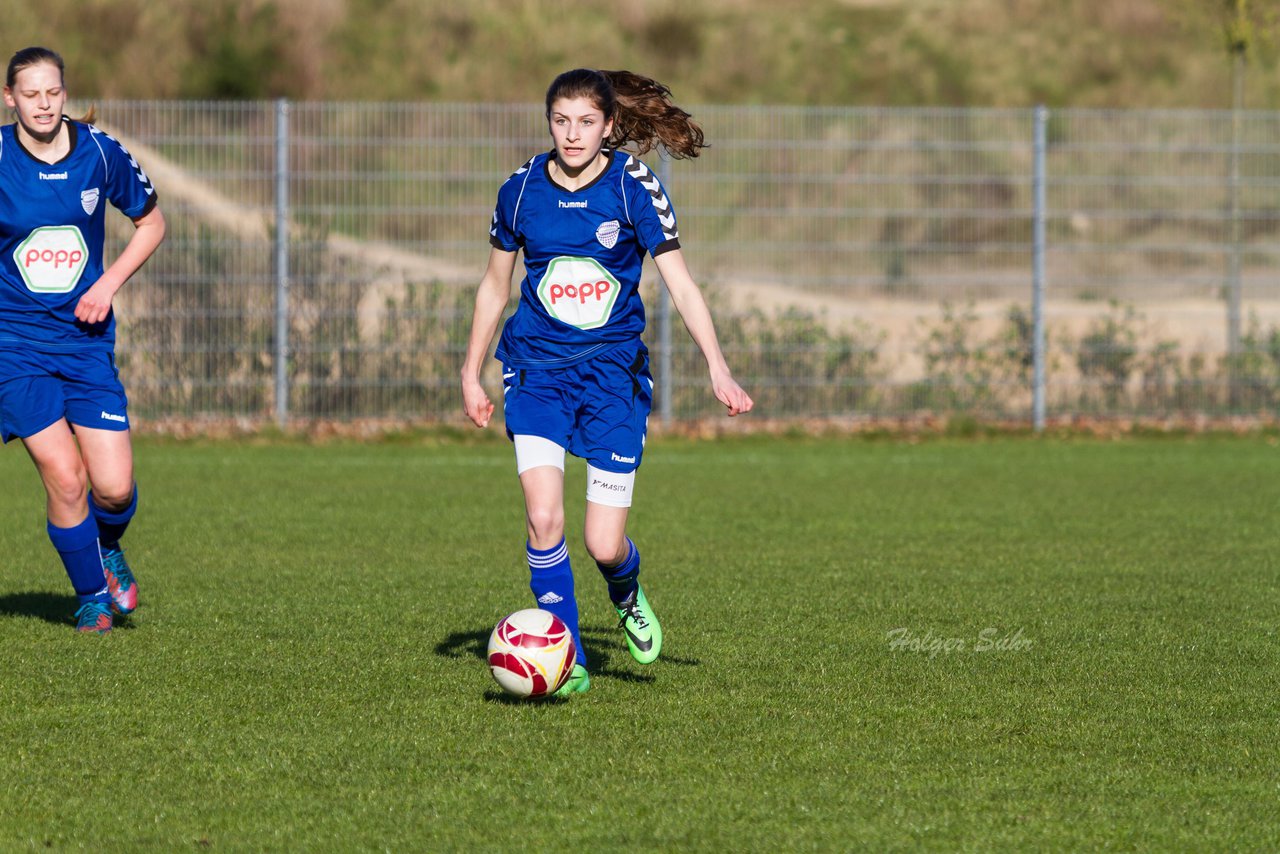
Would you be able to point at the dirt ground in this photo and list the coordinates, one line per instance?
(1198, 326)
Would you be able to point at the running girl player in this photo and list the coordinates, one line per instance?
(575, 373)
(60, 392)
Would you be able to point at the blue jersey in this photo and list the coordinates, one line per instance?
(583, 252)
(51, 232)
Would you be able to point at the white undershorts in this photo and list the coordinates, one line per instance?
(603, 487)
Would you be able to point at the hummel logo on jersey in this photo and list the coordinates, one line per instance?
(582, 204)
(53, 176)
(550, 598)
(618, 459)
(107, 416)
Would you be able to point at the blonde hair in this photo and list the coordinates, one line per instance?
(31, 56)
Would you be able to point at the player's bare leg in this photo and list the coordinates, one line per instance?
(72, 528)
(550, 573)
(543, 505)
(108, 458)
(605, 531)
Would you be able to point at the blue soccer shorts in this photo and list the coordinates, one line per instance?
(597, 410)
(38, 389)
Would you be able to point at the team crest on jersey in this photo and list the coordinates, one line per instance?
(89, 200)
(607, 233)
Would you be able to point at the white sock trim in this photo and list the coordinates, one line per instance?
(544, 561)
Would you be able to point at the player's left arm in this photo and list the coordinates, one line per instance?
(697, 319)
(148, 233)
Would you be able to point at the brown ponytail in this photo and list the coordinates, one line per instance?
(640, 107)
(645, 115)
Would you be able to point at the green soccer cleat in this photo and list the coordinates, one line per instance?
(640, 624)
(579, 682)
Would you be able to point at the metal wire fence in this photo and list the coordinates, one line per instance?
(322, 259)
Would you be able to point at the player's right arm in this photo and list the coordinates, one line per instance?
(95, 305)
(491, 301)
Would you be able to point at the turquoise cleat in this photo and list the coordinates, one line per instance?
(124, 590)
(94, 616)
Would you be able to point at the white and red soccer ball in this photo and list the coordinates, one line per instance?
(531, 653)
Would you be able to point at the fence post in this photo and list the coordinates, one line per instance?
(282, 262)
(1233, 237)
(665, 378)
(1037, 269)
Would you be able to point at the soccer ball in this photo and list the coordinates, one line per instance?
(531, 653)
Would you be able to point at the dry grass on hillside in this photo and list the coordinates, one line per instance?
(1138, 53)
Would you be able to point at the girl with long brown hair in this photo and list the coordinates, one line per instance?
(575, 372)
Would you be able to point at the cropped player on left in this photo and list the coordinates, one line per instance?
(60, 392)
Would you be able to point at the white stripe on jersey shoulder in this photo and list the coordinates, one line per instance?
(622, 191)
(139, 173)
(527, 169)
(94, 133)
(661, 204)
(528, 164)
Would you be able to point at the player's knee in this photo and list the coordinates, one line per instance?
(67, 484)
(113, 496)
(608, 549)
(546, 526)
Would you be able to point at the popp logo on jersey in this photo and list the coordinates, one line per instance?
(52, 259)
(579, 292)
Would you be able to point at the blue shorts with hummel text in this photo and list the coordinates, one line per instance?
(38, 389)
(597, 409)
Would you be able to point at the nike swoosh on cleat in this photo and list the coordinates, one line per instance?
(640, 643)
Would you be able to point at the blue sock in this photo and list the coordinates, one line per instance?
(78, 548)
(623, 578)
(551, 580)
(111, 525)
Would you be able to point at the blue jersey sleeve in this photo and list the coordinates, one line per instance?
(503, 232)
(650, 210)
(128, 188)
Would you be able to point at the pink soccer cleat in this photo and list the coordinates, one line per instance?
(120, 582)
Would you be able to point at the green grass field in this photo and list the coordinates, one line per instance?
(306, 671)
